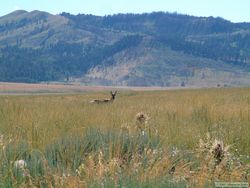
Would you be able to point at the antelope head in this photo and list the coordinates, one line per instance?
(113, 94)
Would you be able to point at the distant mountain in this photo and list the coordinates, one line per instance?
(156, 49)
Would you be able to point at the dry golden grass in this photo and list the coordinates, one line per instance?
(180, 118)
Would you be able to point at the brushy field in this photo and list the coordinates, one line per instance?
(144, 139)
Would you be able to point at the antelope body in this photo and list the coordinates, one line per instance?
(100, 101)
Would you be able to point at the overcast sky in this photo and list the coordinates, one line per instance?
(234, 10)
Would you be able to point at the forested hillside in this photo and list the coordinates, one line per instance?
(156, 49)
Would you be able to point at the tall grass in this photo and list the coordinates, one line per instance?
(66, 141)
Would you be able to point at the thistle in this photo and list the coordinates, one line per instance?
(219, 151)
(142, 118)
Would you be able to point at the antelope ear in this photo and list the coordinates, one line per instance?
(111, 92)
(115, 92)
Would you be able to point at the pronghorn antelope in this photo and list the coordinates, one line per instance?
(99, 101)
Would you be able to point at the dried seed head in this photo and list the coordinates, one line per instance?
(21, 164)
(219, 151)
(142, 118)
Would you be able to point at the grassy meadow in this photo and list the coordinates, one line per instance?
(143, 139)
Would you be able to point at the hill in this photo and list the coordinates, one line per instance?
(153, 49)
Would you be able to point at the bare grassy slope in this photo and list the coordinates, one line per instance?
(147, 65)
